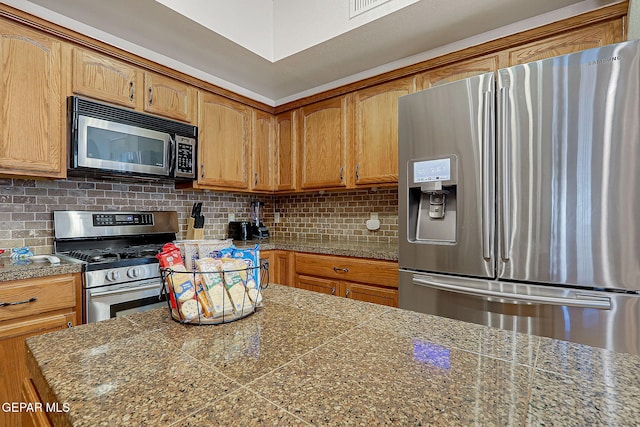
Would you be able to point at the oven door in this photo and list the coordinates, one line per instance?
(106, 302)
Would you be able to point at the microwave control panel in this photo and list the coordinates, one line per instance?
(185, 157)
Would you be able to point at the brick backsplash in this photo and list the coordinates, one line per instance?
(26, 208)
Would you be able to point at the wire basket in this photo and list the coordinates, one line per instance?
(214, 297)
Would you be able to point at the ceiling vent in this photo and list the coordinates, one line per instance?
(358, 7)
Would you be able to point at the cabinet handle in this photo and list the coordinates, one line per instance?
(132, 91)
(357, 171)
(69, 325)
(346, 295)
(201, 171)
(333, 290)
(256, 179)
(341, 172)
(340, 270)
(150, 95)
(5, 304)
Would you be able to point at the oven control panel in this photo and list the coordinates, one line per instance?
(114, 219)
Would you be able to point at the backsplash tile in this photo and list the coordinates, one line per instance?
(26, 208)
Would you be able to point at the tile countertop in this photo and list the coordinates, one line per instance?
(25, 269)
(311, 359)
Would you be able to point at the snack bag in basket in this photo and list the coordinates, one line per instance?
(168, 257)
(212, 280)
(251, 257)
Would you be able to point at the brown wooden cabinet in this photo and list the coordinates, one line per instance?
(170, 98)
(459, 70)
(375, 132)
(281, 266)
(113, 81)
(224, 128)
(572, 41)
(107, 79)
(323, 142)
(32, 114)
(285, 158)
(46, 304)
(262, 151)
(357, 278)
(30, 396)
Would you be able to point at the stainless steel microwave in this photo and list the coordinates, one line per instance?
(109, 141)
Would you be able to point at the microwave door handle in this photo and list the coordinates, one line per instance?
(171, 157)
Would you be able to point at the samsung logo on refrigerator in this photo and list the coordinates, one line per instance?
(604, 60)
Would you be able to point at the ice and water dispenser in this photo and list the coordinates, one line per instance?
(433, 185)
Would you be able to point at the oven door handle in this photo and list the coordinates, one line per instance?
(153, 285)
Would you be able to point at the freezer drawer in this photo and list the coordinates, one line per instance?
(599, 319)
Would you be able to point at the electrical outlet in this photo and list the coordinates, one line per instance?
(232, 217)
(276, 217)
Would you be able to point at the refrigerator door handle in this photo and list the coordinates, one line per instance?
(504, 144)
(486, 175)
(581, 300)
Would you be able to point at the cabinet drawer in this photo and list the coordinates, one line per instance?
(383, 273)
(36, 296)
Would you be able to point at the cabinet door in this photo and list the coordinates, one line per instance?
(374, 294)
(224, 141)
(376, 132)
(284, 268)
(262, 151)
(458, 71)
(32, 141)
(285, 152)
(104, 78)
(168, 97)
(317, 284)
(323, 144)
(574, 41)
(12, 356)
(30, 395)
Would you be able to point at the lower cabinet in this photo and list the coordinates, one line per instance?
(280, 266)
(30, 396)
(362, 279)
(41, 305)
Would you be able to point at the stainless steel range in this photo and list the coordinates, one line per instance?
(121, 273)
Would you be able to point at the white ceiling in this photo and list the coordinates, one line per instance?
(282, 50)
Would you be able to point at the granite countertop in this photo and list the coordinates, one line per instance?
(311, 359)
(12, 270)
(25, 269)
(382, 251)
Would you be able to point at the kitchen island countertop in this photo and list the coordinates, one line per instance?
(311, 359)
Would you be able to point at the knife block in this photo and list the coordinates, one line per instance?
(194, 233)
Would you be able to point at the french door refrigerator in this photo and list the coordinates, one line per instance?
(519, 198)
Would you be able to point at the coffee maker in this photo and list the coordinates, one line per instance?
(258, 229)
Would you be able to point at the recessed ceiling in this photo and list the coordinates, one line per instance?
(305, 51)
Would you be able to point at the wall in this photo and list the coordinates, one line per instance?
(26, 208)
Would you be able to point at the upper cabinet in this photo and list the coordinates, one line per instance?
(32, 114)
(573, 41)
(458, 71)
(167, 97)
(285, 155)
(322, 142)
(375, 132)
(224, 128)
(107, 79)
(262, 151)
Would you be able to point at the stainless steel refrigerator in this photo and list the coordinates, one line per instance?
(519, 198)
